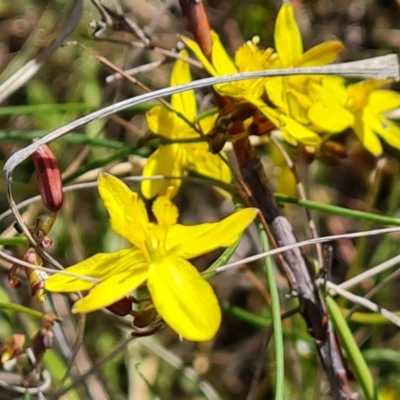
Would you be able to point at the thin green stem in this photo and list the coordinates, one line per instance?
(65, 107)
(336, 210)
(14, 241)
(221, 260)
(80, 138)
(76, 138)
(276, 317)
(353, 351)
(20, 309)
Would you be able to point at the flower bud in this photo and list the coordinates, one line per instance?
(121, 307)
(36, 277)
(12, 347)
(145, 316)
(49, 178)
(332, 153)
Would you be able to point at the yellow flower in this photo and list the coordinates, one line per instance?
(173, 159)
(360, 106)
(291, 94)
(288, 96)
(158, 256)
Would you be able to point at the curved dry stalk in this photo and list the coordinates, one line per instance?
(371, 273)
(394, 275)
(362, 301)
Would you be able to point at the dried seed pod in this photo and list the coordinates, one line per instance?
(121, 307)
(36, 277)
(49, 178)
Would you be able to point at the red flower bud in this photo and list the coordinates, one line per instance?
(121, 307)
(49, 178)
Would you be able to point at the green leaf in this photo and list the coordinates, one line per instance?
(353, 352)
(276, 317)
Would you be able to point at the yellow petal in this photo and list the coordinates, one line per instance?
(359, 93)
(193, 241)
(125, 208)
(208, 164)
(275, 90)
(229, 90)
(184, 300)
(222, 63)
(386, 129)
(207, 123)
(297, 106)
(111, 290)
(273, 114)
(321, 54)
(164, 122)
(200, 55)
(330, 117)
(99, 267)
(299, 132)
(169, 160)
(382, 101)
(366, 136)
(329, 89)
(184, 102)
(165, 211)
(287, 37)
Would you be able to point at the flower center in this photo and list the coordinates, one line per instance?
(155, 243)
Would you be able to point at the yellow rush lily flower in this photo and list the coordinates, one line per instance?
(173, 159)
(158, 256)
(361, 106)
(288, 96)
(291, 94)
